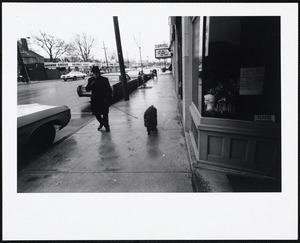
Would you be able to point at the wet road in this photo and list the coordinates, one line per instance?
(58, 92)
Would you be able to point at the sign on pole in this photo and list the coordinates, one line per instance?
(161, 46)
(162, 51)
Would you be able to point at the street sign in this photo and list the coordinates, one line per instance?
(54, 65)
(162, 53)
(62, 65)
(161, 46)
(50, 65)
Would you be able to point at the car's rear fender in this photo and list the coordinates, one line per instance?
(26, 133)
(52, 123)
(44, 126)
(61, 120)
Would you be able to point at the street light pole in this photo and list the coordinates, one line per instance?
(105, 56)
(127, 60)
(141, 57)
(140, 49)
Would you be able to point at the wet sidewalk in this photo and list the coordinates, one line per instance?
(123, 160)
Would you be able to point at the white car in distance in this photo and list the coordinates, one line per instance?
(73, 75)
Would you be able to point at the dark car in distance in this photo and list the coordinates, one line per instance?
(113, 78)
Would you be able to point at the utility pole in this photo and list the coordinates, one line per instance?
(140, 48)
(127, 60)
(120, 56)
(105, 56)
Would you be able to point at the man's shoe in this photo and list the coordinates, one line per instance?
(107, 129)
(100, 127)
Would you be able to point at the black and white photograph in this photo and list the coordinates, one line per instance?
(149, 121)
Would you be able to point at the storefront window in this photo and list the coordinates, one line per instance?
(241, 68)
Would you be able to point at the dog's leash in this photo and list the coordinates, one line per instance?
(125, 112)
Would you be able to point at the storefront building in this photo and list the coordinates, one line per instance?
(228, 80)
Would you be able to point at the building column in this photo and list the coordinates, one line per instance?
(186, 72)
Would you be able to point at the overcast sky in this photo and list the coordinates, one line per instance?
(147, 22)
(95, 19)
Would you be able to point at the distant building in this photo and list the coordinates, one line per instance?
(34, 64)
(54, 60)
(28, 56)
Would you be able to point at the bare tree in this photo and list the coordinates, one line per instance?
(54, 46)
(83, 45)
(74, 58)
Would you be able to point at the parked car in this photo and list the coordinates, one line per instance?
(73, 75)
(36, 125)
(133, 73)
(113, 78)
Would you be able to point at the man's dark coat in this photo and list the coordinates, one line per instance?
(101, 94)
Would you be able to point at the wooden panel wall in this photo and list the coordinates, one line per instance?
(243, 152)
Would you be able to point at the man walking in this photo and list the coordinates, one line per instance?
(101, 97)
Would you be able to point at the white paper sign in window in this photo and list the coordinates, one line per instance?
(252, 81)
